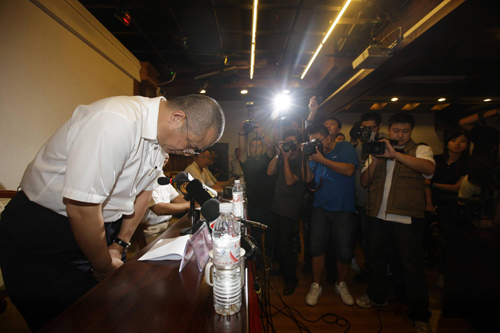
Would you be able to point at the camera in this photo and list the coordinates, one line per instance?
(289, 146)
(371, 146)
(310, 147)
(249, 125)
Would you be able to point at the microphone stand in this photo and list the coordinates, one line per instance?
(195, 224)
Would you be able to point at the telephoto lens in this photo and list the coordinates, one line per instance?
(310, 147)
(289, 146)
(249, 126)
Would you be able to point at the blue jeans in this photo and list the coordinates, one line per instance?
(407, 243)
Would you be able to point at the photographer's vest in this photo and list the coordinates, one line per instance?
(407, 193)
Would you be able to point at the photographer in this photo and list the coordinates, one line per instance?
(332, 166)
(396, 212)
(259, 185)
(287, 199)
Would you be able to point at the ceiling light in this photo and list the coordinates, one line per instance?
(286, 91)
(203, 91)
(442, 99)
(394, 99)
(244, 92)
(254, 32)
(487, 100)
(339, 15)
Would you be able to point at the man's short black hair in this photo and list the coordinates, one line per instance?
(236, 149)
(322, 130)
(334, 118)
(372, 115)
(402, 118)
(255, 139)
(294, 133)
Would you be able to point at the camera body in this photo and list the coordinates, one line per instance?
(309, 148)
(249, 125)
(289, 146)
(371, 144)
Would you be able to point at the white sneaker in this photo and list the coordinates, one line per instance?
(314, 294)
(341, 289)
(354, 265)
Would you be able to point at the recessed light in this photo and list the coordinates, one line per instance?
(244, 92)
(487, 100)
(286, 91)
(442, 99)
(203, 91)
(394, 99)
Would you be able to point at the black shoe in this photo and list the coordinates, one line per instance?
(361, 277)
(289, 289)
(307, 269)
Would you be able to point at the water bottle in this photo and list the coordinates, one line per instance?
(226, 259)
(238, 200)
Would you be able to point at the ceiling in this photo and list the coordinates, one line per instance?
(454, 52)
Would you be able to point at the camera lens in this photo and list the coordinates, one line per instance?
(286, 147)
(249, 126)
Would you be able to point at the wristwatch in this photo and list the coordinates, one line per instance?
(122, 243)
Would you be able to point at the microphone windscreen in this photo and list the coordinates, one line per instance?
(196, 191)
(210, 209)
(164, 180)
(181, 177)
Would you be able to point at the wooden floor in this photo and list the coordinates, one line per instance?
(361, 320)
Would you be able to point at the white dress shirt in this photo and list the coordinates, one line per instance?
(162, 194)
(107, 153)
(424, 152)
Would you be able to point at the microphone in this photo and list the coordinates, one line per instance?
(197, 192)
(210, 209)
(181, 177)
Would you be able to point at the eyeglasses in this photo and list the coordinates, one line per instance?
(189, 151)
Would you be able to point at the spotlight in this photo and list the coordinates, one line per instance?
(442, 99)
(487, 100)
(203, 91)
(282, 102)
(394, 99)
(244, 92)
(286, 91)
(123, 16)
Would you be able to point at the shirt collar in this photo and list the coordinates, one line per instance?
(150, 124)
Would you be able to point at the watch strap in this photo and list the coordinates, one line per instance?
(122, 243)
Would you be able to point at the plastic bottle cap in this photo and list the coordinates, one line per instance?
(237, 181)
(225, 208)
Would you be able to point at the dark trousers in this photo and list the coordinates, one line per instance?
(43, 268)
(283, 229)
(264, 216)
(407, 242)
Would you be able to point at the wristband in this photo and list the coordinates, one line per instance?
(122, 243)
(243, 133)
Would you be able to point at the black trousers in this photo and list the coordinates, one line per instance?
(283, 229)
(43, 268)
(407, 243)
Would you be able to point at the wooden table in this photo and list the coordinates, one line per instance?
(150, 297)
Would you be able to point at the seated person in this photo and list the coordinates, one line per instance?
(214, 165)
(199, 170)
(165, 202)
(234, 166)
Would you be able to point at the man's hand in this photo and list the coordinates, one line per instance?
(313, 104)
(241, 126)
(389, 153)
(318, 157)
(101, 275)
(430, 209)
(258, 131)
(114, 253)
(286, 155)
